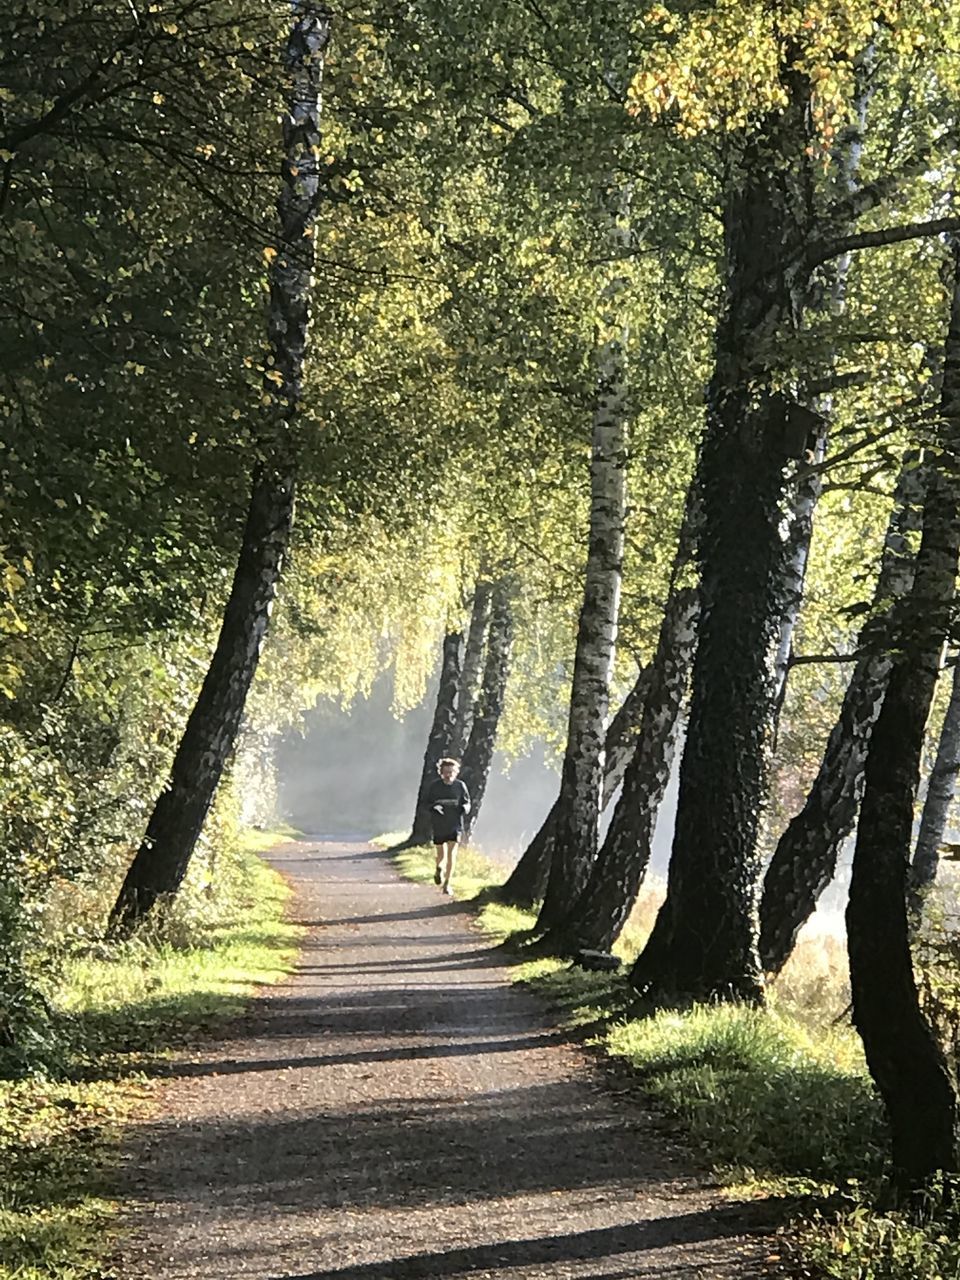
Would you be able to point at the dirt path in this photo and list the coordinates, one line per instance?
(396, 1110)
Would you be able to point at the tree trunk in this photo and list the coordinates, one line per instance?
(797, 555)
(805, 858)
(438, 739)
(478, 756)
(936, 807)
(164, 855)
(902, 1053)
(575, 828)
(704, 942)
(611, 892)
(846, 157)
(527, 882)
(470, 674)
(602, 910)
(621, 739)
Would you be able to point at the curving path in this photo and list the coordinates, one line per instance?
(395, 1110)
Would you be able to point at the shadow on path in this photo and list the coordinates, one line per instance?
(605, 1242)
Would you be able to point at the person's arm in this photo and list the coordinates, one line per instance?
(464, 799)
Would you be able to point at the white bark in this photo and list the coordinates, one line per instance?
(936, 806)
(575, 843)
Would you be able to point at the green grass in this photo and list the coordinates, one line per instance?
(758, 1092)
(119, 1008)
(260, 839)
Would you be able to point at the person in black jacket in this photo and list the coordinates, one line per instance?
(448, 800)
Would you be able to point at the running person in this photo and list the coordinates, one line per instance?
(448, 800)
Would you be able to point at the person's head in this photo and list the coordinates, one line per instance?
(448, 769)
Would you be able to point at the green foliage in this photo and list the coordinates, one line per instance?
(862, 1244)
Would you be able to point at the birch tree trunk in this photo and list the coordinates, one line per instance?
(704, 942)
(478, 756)
(622, 735)
(903, 1055)
(805, 859)
(797, 555)
(175, 824)
(470, 673)
(527, 882)
(438, 739)
(575, 827)
(605, 905)
(936, 807)
(602, 910)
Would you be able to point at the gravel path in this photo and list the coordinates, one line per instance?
(395, 1110)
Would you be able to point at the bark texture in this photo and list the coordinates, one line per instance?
(575, 828)
(805, 859)
(704, 942)
(527, 883)
(175, 824)
(478, 756)
(596, 919)
(846, 158)
(622, 735)
(936, 806)
(438, 739)
(470, 673)
(797, 554)
(903, 1055)
(605, 905)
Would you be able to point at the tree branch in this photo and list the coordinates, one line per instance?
(808, 659)
(874, 194)
(823, 252)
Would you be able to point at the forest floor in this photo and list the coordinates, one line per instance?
(397, 1110)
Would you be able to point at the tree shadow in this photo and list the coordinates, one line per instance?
(576, 1246)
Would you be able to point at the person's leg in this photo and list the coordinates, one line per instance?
(450, 863)
(438, 871)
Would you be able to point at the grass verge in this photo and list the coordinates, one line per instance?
(779, 1100)
(120, 1008)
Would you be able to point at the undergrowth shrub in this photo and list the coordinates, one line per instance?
(860, 1243)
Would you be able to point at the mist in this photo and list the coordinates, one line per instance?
(354, 774)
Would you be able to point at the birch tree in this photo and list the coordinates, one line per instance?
(595, 920)
(471, 670)
(527, 882)
(805, 859)
(163, 857)
(440, 735)
(936, 806)
(575, 825)
(478, 756)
